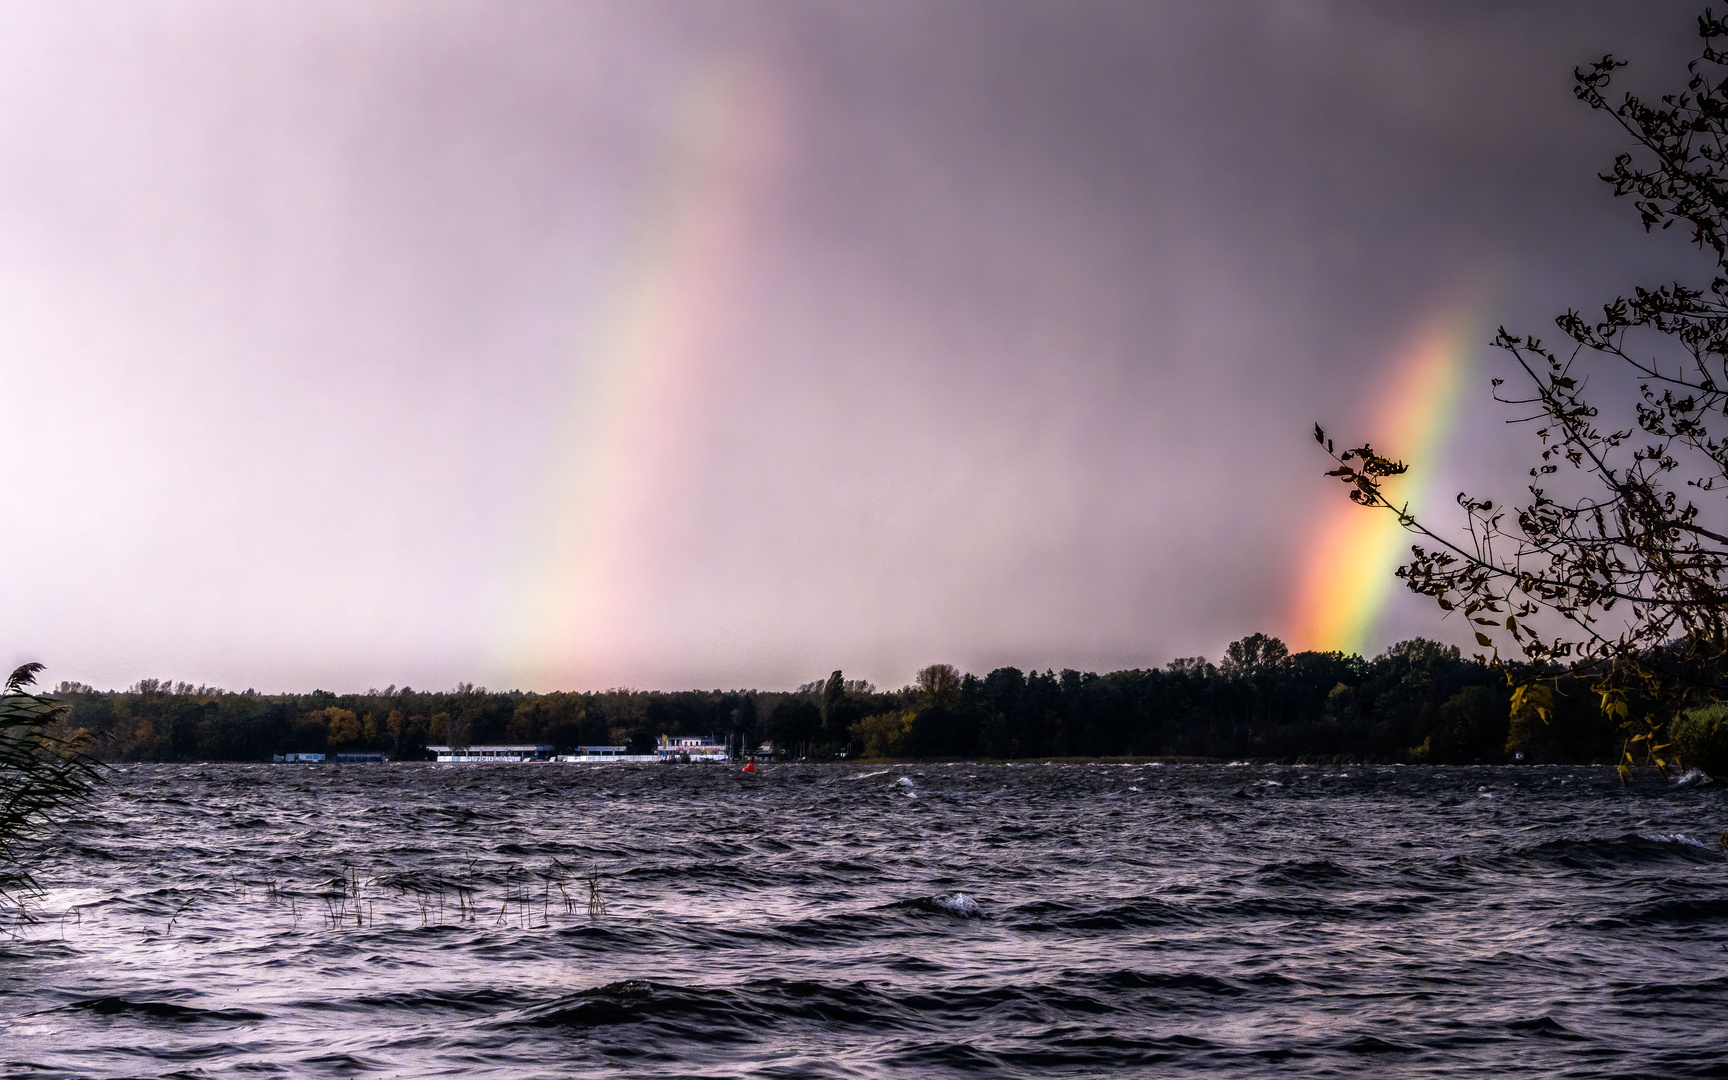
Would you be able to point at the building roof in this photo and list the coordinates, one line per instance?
(477, 747)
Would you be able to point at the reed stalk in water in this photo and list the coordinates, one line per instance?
(596, 906)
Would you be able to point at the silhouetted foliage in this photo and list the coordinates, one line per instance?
(1610, 576)
(43, 770)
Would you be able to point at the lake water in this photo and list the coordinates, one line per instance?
(1004, 920)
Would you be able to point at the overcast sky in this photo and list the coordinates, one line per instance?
(577, 345)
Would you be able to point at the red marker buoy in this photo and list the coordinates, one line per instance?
(749, 766)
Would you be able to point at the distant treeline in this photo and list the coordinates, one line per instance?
(1417, 702)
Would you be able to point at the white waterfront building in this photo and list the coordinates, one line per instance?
(671, 748)
(692, 748)
(492, 753)
(599, 755)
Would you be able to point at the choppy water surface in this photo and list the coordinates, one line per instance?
(850, 921)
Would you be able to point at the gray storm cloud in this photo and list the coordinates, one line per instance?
(1034, 308)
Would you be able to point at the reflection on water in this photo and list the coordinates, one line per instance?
(842, 921)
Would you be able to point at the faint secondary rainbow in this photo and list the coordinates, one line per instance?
(636, 382)
(1346, 576)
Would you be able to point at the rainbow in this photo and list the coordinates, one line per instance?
(636, 383)
(1346, 578)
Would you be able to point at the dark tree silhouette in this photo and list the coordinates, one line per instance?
(41, 774)
(1615, 570)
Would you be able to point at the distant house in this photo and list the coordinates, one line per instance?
(692, 748)
(295, 758)
(492, 753)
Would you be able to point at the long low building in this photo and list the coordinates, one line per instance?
(600, 755)
(671, 748)
(492, 753)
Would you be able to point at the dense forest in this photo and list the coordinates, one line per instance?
(1417, 702)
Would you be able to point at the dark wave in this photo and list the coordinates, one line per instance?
(1322, 872)
(723, 1014)
(1544, 1027)
(1615, 852)
(159, 1010)
(1145, 913)
(1689, 911)
(1715, 989)
(484, 1000)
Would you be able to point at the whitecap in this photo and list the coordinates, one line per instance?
(959, 904)
(868, 775)
(1677, 838)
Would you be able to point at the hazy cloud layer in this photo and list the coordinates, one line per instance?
(1033, 308)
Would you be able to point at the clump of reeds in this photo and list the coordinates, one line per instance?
(351, 898)
(555, 879)
(275, 895)
(425, 892)
(510, 894)
(344, 898)
(596, 905)
(41, 775)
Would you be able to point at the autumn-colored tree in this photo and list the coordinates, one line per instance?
(344, 727)
(939, 686)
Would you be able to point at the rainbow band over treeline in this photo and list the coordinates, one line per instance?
(1346, 578)
(636, 377)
